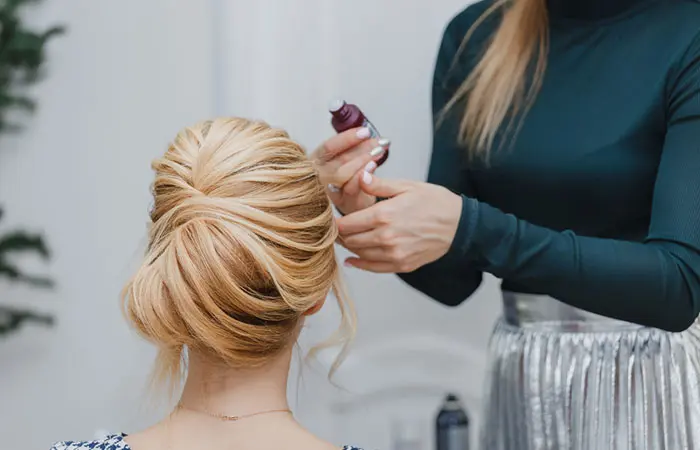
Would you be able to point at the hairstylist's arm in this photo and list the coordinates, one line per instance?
(341, 161)
(661, 272)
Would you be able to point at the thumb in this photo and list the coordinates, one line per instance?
(380, 187)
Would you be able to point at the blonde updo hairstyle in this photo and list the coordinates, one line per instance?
(241, 248)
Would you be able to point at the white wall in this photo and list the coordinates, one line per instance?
(127, 76)
(120, 84)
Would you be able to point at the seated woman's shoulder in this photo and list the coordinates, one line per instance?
(114, 442)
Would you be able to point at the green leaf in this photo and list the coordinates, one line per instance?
(20, 241)
(12, 319)
(53, 32)
(7, 101)
(13, 273)
(26, 49)
(22, 54)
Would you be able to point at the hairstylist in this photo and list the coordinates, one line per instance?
(567, 164)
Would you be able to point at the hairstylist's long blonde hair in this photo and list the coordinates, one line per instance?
(241, 248)
(497, 90)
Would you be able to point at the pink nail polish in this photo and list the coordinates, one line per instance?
(367, 178)
(370, 166)
(363, 133)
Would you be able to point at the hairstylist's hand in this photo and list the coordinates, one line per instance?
(341, 161)
(413, 227)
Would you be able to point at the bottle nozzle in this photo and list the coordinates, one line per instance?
(452, 402)
(336, 105)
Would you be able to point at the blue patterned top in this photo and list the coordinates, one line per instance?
(113, 442)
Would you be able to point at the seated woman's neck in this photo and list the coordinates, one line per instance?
(213, 389)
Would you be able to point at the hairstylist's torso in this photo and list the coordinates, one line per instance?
(588, 208)
(593, 197)
(587, 154)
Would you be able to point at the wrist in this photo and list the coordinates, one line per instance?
(466, 226)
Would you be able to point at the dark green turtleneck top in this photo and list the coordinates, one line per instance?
(596, 201)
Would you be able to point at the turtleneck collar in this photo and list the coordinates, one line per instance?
(592, 9)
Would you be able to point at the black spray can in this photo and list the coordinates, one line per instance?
(452, 425)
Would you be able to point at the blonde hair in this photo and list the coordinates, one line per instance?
(497, 90)
(241, 246)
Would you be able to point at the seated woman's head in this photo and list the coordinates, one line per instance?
(241, 248)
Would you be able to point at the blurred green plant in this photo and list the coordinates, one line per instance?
(22, 54)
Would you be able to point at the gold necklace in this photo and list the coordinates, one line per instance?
(227, 418)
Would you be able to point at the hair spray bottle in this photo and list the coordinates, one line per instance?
(346, 116)
(452, 425)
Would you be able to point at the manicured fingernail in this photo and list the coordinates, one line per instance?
(367, 177)
(363, 133)
(333, 188)
(370, 166)
(384, 142)
(377, 151)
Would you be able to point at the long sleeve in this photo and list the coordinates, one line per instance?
(655, 282)
(445, 280)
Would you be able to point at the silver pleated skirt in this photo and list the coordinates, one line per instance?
(561, 378)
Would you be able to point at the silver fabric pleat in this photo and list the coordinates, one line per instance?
(578, 382)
